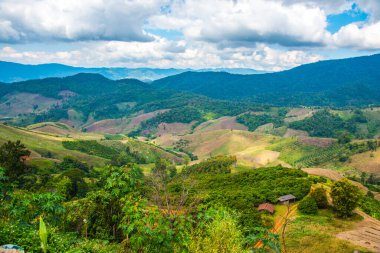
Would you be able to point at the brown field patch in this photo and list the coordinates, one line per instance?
(295, 133)
(249, 147)
(296, 114)
(222, 123)
(111, 126)
(366, 233)
(318, 142)
(174, 128)
(265, 128)
(304, 138)
(136, 121)
(332, 174)
(366, 162)
(20, 103)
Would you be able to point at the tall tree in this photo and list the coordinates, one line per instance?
(12, 159)
(346, 197)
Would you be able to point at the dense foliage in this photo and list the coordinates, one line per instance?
(308, 205)
(336, 82)
(346, 197)
(77, 208)
(253, 121)
(245, 190)
(90, 147)
(213, 165)
(324, 124)
(12, 157)
(370, 206)
(320, 197)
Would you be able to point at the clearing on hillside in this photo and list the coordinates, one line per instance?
(22, 103)
(249, 148)
(365, 233)
(221, 123)
(297, 114)
(368, 162)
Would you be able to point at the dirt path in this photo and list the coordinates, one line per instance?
(279, 223)
(366, 233)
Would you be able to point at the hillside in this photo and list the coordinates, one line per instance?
(83, 99)
(353, 81)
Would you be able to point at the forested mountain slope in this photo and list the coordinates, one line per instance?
(353, 81)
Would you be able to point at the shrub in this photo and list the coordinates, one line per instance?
(319, 195)
(308, 205)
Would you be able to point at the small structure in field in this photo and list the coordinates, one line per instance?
(286, 199)
(266, 207)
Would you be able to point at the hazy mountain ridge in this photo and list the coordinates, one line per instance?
(14, 72)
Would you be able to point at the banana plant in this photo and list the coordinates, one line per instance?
(43, 235)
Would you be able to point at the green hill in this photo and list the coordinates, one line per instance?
(353, 81)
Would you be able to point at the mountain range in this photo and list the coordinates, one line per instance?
(14, 72)
(87, 97)
(352, 81)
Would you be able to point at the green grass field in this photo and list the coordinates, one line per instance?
(43, 144)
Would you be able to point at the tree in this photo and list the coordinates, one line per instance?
(344, 138)
(77, 186)
(308, 205)
(346, 197)
(12, 159)
(319, 195)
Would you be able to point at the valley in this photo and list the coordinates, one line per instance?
(107, 151)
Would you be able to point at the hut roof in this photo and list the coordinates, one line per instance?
(267, 207)
(286, 198)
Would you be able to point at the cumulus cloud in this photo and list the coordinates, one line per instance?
(359, 36)
(246, 21)
(261, 34)
(72, 20)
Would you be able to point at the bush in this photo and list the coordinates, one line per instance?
(319, 195)
(308, 205)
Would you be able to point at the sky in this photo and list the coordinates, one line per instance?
(268, 35)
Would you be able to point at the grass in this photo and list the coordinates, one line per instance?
(42, 144)
(309, 234)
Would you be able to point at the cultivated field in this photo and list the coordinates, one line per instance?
(368, 162)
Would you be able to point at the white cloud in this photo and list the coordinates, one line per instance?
(246, 21)
(358, 36)
(156, 54)
(72, 20)
(372, 7)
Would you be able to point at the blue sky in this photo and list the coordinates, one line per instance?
(262, 34)
(337, 21)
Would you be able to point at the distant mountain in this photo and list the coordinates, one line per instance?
(14, 72)
(85, 98)
(353, 81)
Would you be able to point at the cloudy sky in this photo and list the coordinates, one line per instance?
(260, 34)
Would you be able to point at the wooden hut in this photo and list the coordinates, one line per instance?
(286, 199)
(266, 207)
